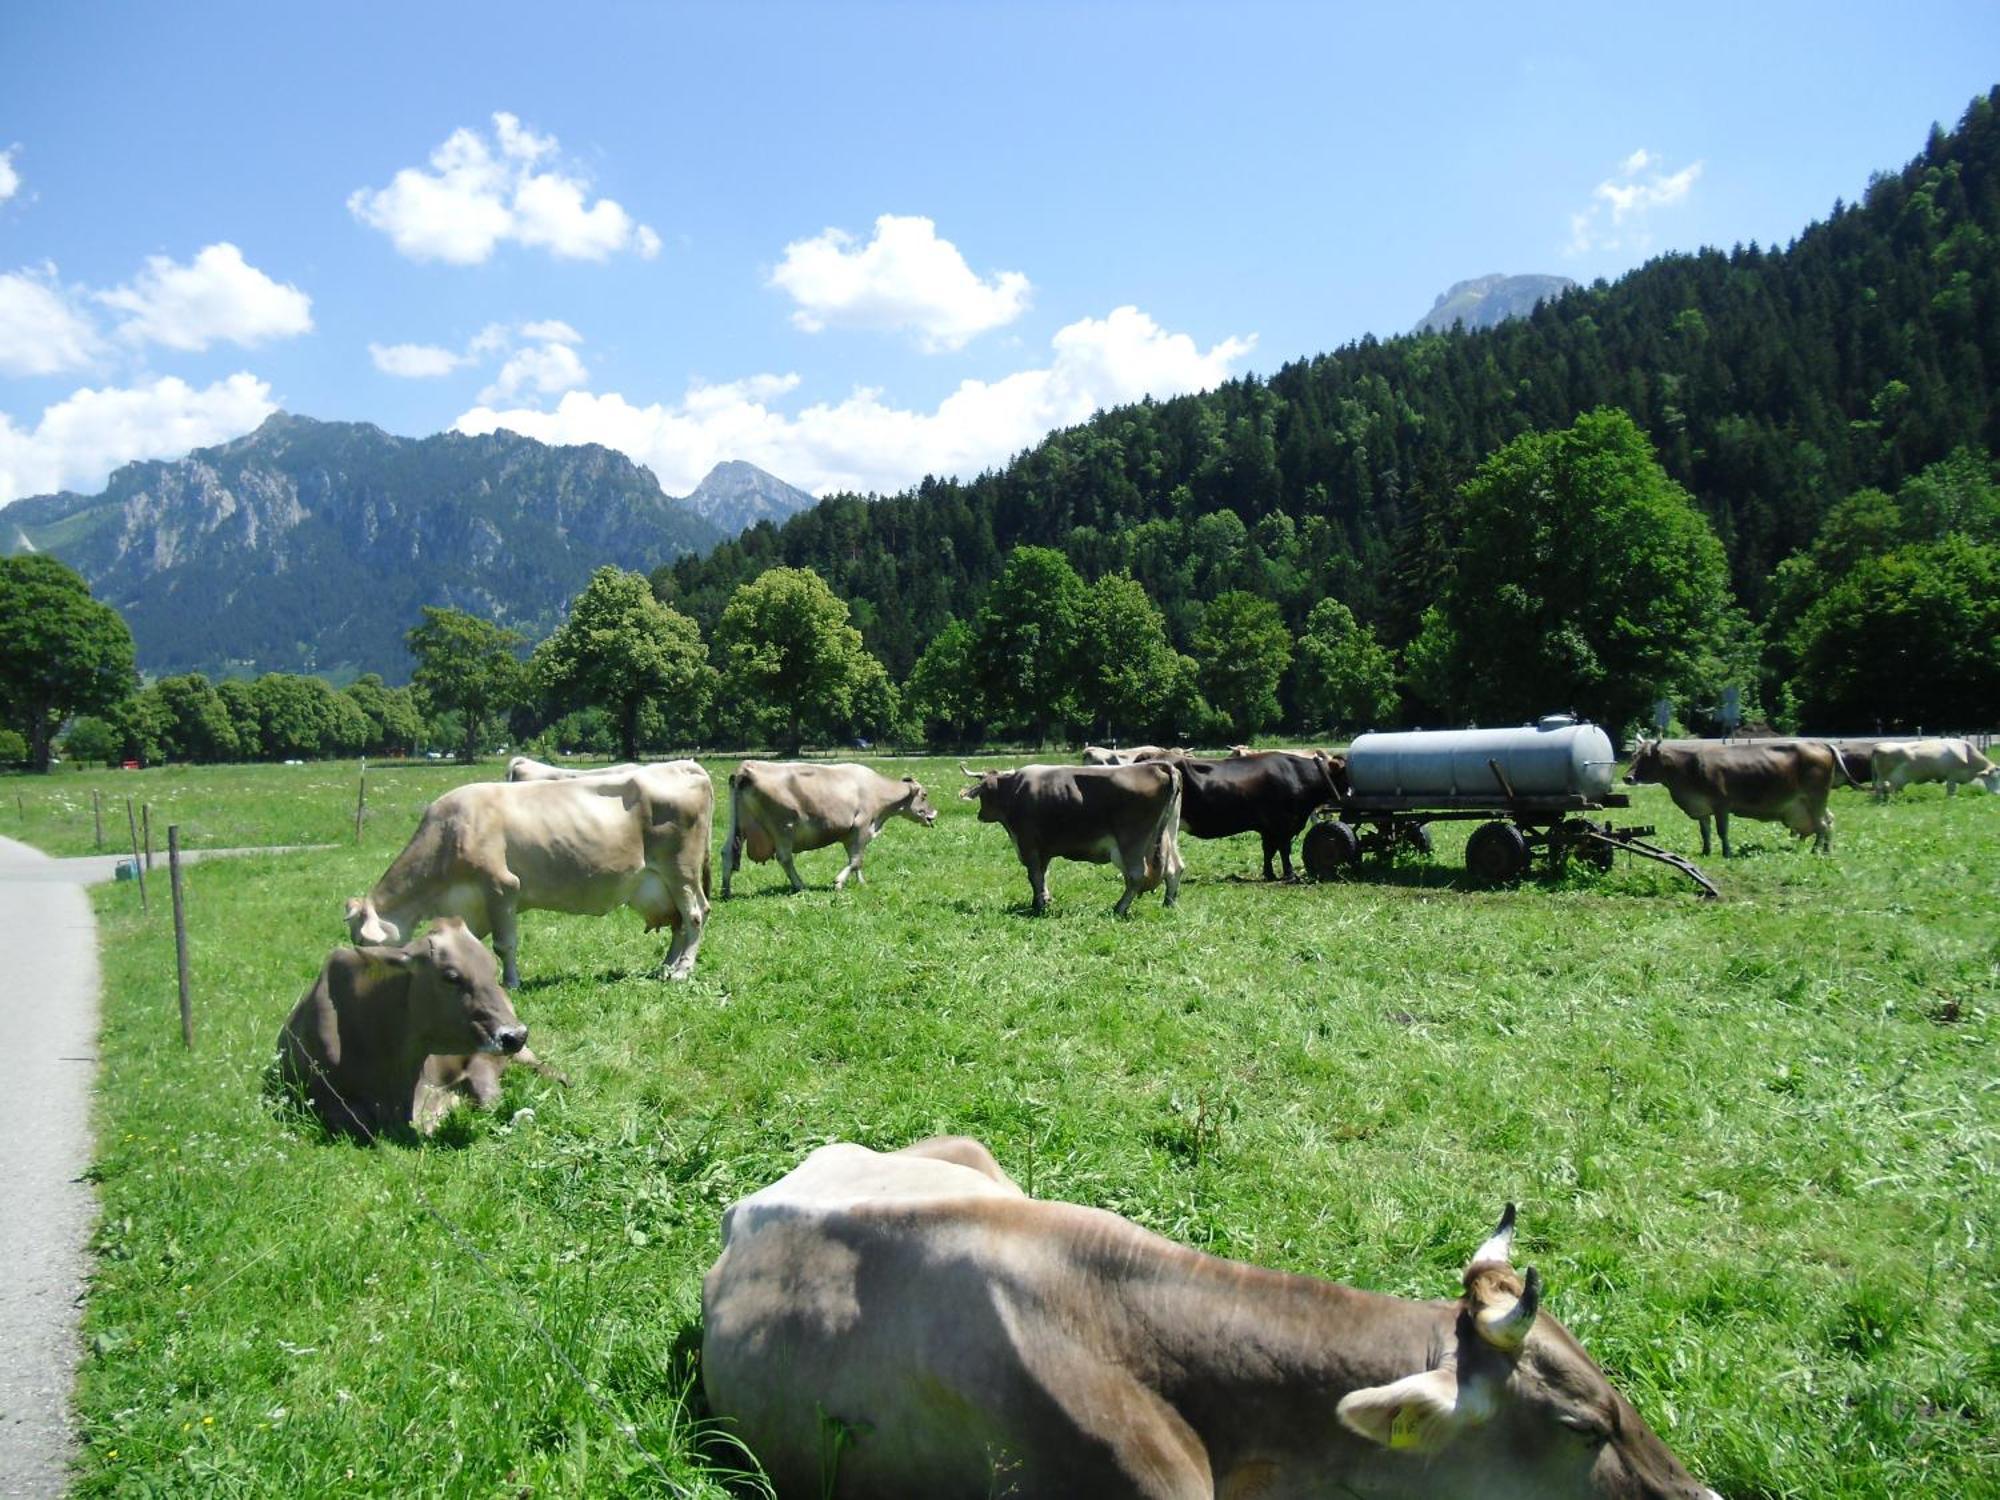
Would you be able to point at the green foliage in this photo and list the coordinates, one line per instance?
(91, 740)
(13, 749)
(940, 697)
(395, 723)
(1028, 643)
(197, 723)
(61, 651)
(301, 718)
(1129, 673)
(1347, 678)
(1581, 577)
(466, 666)
(792, 665)
(1244, 650)
(1888, 620)
(623, 650)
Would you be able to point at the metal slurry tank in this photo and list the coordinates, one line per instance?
(1555, 757)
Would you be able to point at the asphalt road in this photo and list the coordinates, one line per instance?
(48, 1073)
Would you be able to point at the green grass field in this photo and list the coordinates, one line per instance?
(1754, 1143)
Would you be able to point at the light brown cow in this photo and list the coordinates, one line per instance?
(1124, 815)
(1097, 755)
(1900, 763)
(912, 1324)
(1782, 781)
(386, 1038)
(526, 768)
(781, 808)
(589, 844)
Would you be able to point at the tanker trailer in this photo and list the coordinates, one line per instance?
(1529, 789)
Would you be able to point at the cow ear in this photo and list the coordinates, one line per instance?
(353, 907)
(1417, 1414)
(396, 958)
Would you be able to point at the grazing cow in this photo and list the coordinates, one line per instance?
(1901, 763)
(782, 808)
(913, 1324)
(385, 1037)
(1272, 793)
(589, 844)
(1784, 781)
(1097, 755)
(1127, 815)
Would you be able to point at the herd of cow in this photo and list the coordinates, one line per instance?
(967, 1339)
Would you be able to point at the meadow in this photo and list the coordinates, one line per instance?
(1754, 1143)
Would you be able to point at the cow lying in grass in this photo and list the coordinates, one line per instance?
(386, 1039)
(913, 1324)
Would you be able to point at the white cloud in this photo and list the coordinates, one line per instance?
(415, 361)
(80, 440)
(862, 442)
(905, 278)
(10, 177)
(544, 369)
(43, 330)
(550, 331)
(477, 195)
(1616, 217)
(216, 297)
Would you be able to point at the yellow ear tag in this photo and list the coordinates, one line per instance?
(1403, 1428)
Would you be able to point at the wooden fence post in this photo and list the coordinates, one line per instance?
(97, 816)
(132, 827)
(146, 832)
(361, 801)
(180, 931)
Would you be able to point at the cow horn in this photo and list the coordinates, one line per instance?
(975, 775)
(1499, 1244)
(1505, 1325)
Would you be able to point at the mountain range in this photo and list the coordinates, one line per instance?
(311, 546)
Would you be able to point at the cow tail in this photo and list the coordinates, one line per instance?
(1168, 848)
(1840, 764)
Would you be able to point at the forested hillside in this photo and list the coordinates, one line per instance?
(1773, 382)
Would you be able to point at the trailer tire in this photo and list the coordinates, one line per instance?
(1330, 850)
(1496, 854)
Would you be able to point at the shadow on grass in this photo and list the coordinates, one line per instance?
(288, 1105)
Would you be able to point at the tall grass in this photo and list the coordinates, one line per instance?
(1754, 1143)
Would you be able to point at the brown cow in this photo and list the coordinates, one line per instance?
(912, 1324)
(385, 1037)
(781, 808)
(1128, 815)
(1776, 782)
(590, 844)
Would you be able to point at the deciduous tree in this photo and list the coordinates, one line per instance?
(61, 651)
(1243, 649)
(622, 649)
(1026, 644)
(1347, 679)
(467, 666)
(791, 662)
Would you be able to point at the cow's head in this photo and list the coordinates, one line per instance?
(985, 790)
(916, 806)
(1646, 763)
(1516, 1405)
(368, 928)
(456, 1004)
(1990, 779)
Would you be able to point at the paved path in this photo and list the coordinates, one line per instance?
(48, 1069)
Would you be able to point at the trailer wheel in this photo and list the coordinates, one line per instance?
(1330, 850)
(1496, 854)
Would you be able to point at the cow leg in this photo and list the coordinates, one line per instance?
(855, 844)
(1722, 831)
(681, 953)
(1823, 833)
(1704, 834)
(784, 842)
(732, 856)
(1951, 789)
(506, 938)
(1038, 882)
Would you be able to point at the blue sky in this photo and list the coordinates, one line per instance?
(610, 223)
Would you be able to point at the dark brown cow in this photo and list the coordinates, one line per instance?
(1776, 782)
(1271, 793)
(1124, 815)
(385, 1037)
(913, 1325)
